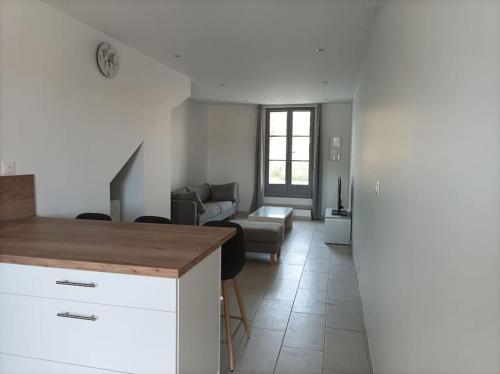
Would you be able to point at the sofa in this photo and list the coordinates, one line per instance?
(195, 205)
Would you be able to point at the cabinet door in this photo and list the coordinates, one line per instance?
(90, 286)
(107, 337)
(22, 365)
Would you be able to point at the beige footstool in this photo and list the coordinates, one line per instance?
(262, 237)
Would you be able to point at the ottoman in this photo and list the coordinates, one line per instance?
(262, 237)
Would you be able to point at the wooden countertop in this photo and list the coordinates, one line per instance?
(128, 248)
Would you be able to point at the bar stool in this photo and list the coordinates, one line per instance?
(94, 216)
(152, 219)
(233, 260)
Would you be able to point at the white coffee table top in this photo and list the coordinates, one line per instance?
(272, 212)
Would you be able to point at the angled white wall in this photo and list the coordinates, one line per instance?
(426, 126)
(74, 129)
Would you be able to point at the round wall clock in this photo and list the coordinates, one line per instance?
(107, 60)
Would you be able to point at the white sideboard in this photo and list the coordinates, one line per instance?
(337, 228)
(55, 321)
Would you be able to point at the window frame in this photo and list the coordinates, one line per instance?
(288, 189)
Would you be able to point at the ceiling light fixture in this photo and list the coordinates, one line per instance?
(177, 55)
(325, 82)
(222, 84)
(317, 50)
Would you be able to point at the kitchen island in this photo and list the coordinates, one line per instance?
(86, 297)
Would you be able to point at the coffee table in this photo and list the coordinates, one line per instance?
(276, 214)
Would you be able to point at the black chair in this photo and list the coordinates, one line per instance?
(152, 219)
(94, 216)
(233, 258)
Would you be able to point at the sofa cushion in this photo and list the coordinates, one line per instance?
(180, 190)
(261, 231)
(203, 191)
(225, 205)
(211, 210)
(191, 196)
(223, 192)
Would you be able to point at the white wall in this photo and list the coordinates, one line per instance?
(231, 150)
(427, 127)
(232, 131)
(74, 129)
(336, 121)
(189, 144)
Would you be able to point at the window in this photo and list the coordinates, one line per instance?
(289, 152)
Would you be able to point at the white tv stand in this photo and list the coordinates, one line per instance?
(337, 228)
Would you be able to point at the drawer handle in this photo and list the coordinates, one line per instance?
(77, 316)
(76, 284)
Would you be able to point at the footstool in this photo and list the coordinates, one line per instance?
(262, 237)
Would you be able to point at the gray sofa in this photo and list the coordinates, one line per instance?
(195, 205)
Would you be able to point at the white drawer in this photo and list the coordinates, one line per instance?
(21, 365)
(90, 286)
(122, 339)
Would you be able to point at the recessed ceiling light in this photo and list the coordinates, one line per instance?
(325, 82)
(177, 55)
(319, 50)
(222, 84)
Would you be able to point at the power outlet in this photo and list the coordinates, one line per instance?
(8, 167)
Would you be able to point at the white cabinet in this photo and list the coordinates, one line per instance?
(10, 364)
(337, 228)
(112, 338)
(51, 318)
(90, 286)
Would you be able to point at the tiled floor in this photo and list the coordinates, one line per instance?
(305, 311)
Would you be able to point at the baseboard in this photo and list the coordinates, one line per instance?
(368, 347)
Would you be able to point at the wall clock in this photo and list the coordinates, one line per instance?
(107, 60)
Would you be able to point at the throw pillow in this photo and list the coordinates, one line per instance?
(203, 191)
(190, 196)
(224, 192)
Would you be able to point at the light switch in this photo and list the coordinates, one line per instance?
(377, 188)
(8, 167)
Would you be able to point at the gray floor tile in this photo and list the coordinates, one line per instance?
(310, 301)
(273, 314)
(317, 264)
(343, 272)
(287, 271)
(344, 315)
(259, 353)
(313, 280)
(319, 253)
(345, 351)
(299, 361)
(276, 298)
(255, 283)
(293, 258)
(343, 291)
(306, 331)
(341, 258)
(251, 302)
(282, 289)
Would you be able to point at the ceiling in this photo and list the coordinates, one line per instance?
(257, 51)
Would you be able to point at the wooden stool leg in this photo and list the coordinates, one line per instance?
(272, 259)
(227, 320)
(241, 304)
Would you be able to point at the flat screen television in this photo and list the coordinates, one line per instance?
(340, 211)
